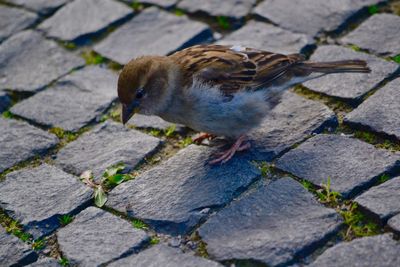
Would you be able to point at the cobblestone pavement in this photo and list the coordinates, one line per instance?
(320, 186)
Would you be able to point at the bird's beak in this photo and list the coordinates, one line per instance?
(129, 110)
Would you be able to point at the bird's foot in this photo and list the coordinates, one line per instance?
(201, 137)
(225, 156)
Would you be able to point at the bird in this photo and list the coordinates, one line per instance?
(219, 90)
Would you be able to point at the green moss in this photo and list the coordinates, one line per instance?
(396, 59)
(155, 132)
(179, 12)
(92, 58)
(137, 6)
(69, 45)
(63, 261)
(7, 114)
(139, 224)
(373, 9)
(38, 244)
(366, 136)
(154, 240)
(170, 131)
(65, 219)
(185, 142)
(265, 168)
(65, 136)
(355, 48)
(223, 22)
(383, 178)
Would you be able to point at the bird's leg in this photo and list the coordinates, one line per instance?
(202, 136)
(239, 145)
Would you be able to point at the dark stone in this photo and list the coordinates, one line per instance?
(45, 262)
(13, 252)
(381, 111)
(30, 62)
(43, 7)
(229, 8)
(379, 250)
(383, 199)
(74, 101)
(351, 164)
(349, 85)
(83, 17)
(394, 223)
(20, 141)
(13, 20)
(310, 16)
(155, 122)
(5, 101)
(96, 237)
(289, 123)
(162, 255)
(272, 225)
(267, 37)
(378, 34)
(106, 145)
(176, 195)
(161, 3)
(152, 32)
(38, 197)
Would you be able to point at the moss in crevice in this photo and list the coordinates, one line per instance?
(201, 249)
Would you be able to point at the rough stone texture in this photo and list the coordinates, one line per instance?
(43, 62)
(13, 20)
(349, 85)
(161, 3)
(5, 101)
(175, 195)
(37, 197)
(13, 252)
(162, 255)
(83, 17)
(310, 16)
(45, 262)
(271, 225)
(379, 34)
(96, 237)
(152, 32)
(267, 37)
(379, 250)
(230, 8)
(394, 223)
(74, 101)
(383, 199)
(106, 145)
(155, 122)
(351, 164)
(43, 7)
(292, 121)
(380, 112)
(20, 141)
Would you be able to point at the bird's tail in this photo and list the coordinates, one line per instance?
(357, 66)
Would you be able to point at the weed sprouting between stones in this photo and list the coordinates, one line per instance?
(201, 245)
(137, 6)
(63, 261)
(92, 58)
(223, 22)
(139, 224)
(179, 12)
(65, 219)
(154, 240)
(396, 58)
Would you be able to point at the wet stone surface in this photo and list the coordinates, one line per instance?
(162, 255)
(267, 37)
(349, 85)
(152, 32)
(73, 102)
(177, 194)
(381, 111)
(20, 141)
(229, 8)
(106, 145)
(370, 34)
(37, 197)
(43, 7)
(13, 20)
(383, 200)
(292, 121)
(83, 17)
(13, 252)
(43, 62)
(310, 16)
(96, 237)
(272, 225)
(379, 250)
(351, 164)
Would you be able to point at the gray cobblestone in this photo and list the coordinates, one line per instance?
(13, 20)
(44, 7)
(394, 223)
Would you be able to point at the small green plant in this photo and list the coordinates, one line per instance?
(38, 244)
(65, 219)
(69, 45)
(355, 48)
(383, 178)
(154, 240)
(63, 261)
(265, 169)
(7, 114)
(373, 9)
(139, 224)
(396, 58)
(179, 12)
(155, 132)
(327, 196)
(308, 185)
(170, 130)
(92, 58)
(137, 6)
(366, 136)
(223, 22)
(185, 142)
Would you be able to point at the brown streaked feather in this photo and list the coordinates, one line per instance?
(233, 70)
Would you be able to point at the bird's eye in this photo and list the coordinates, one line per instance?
(140, 94)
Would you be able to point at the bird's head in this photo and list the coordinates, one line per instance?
(145, 85)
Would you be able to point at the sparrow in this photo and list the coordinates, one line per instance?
(220, 90)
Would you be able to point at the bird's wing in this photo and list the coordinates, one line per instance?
(234, 68)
